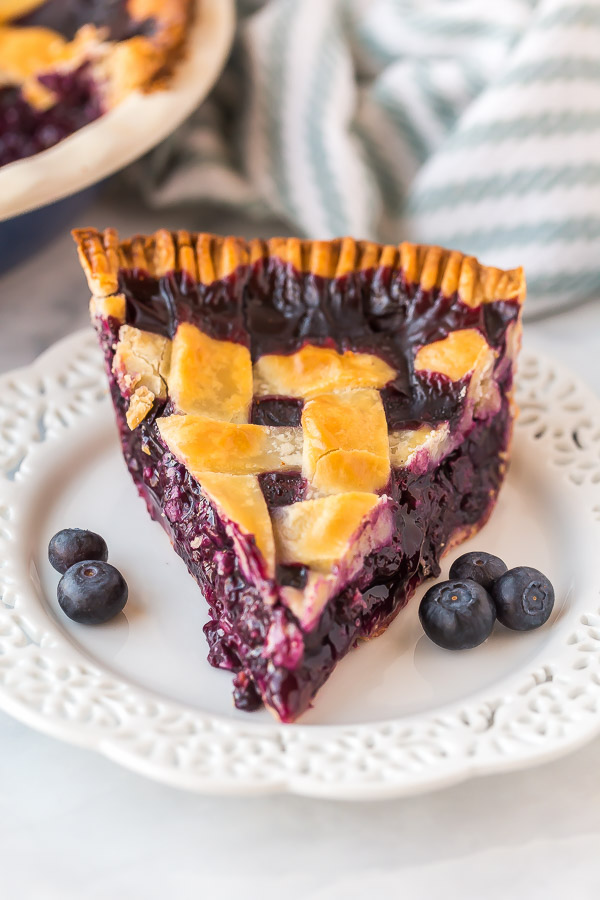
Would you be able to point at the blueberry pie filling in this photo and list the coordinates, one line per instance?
(63, 63)
(67, 16)
(313, 423)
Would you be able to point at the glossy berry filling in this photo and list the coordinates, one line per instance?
(68, 16)
(272, 308)
(25, 130)
(284, 411)
(282, 488)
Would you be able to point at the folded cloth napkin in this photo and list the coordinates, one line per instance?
(469, 123)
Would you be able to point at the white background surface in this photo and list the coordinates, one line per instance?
(74, 826)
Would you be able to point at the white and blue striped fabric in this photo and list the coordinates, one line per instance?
(470, 123)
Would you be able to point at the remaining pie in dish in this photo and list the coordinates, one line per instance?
(65, 62)
(313, 423)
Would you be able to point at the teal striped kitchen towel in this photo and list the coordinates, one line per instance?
(470, 123)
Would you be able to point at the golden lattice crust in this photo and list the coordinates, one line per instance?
(208, 257)
(208, 445)
(317, 533)
(240, 500)
(210, 377)
(316, 370)
(346, 443)
(12, 9)
(119, 67)
(460, 353)
(342, 447)
(141, 360)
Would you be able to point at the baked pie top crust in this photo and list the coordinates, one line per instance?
(343, 445)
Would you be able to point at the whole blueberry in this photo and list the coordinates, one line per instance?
(72, 545)
(524, 598)
(92, 592)
(484, 568)
(458, 614)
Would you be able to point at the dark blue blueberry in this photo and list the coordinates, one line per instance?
(92, 592)
(457, 615)
(484, 568)
(524, 598)
(72, 545)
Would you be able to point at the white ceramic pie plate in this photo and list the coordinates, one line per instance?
(398, 715)
(128, 131)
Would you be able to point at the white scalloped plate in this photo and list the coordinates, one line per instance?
(127, 132)
(398, 716)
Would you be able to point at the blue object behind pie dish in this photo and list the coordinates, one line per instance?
(25, 235)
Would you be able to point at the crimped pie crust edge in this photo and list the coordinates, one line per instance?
(208, 257)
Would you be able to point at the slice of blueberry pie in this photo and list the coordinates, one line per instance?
(65, 62)
(313, 423)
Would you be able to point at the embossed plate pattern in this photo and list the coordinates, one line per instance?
(398, 716)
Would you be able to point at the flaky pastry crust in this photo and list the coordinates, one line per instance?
(208, 257)
(341, 454)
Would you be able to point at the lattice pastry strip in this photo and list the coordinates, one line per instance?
(343, 448)
(210, 377)
(140, 365)
(346, 444)
(208, 445)
(317, 370)
(317, 532)
(240, 500)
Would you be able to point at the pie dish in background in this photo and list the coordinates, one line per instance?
(133, 90)
(313, 423)
(64, 63)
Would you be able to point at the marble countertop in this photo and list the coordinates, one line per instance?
(74, 826)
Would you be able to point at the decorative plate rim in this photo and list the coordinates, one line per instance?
(92, 153)
(543, 710)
